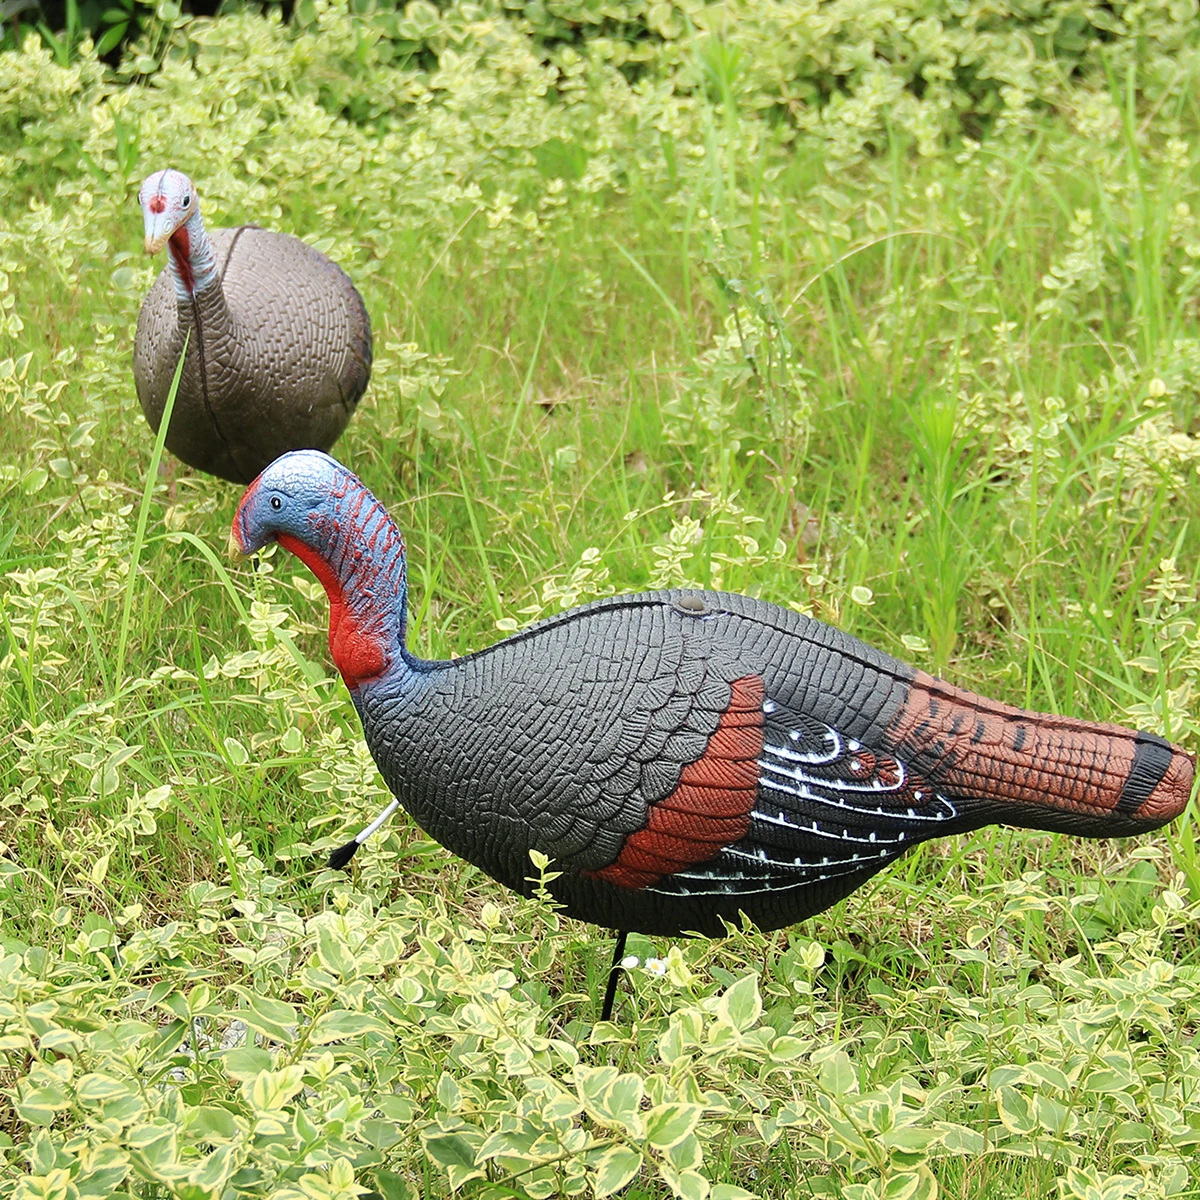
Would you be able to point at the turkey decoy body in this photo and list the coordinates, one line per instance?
(684, 756)
(279, 341)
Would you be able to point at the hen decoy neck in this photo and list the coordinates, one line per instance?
(684, 756)
(278, 339)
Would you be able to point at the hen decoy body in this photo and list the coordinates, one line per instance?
(279, 348)
(684, 756)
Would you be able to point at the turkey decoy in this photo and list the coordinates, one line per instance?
(280, 347)
(683, 756)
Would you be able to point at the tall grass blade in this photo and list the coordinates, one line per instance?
(139, 534)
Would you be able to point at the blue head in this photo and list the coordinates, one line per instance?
(290, 497)
(321, 512)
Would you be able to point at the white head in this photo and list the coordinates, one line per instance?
(168, 199)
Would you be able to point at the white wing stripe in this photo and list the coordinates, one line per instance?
(945, 811)
(831, 737)
(841, 835)
(841, 785)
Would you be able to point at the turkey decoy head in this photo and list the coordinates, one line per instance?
(286, 500)
(168, 201)
(317, 510)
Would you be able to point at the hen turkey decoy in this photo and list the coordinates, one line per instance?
(280, 341)
(684, 756)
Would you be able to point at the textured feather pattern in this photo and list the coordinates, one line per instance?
(711, 806)
(280, 353)
(602, 739)
(826, 808)
(687, 757)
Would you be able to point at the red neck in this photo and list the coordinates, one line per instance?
(180, 246)
(359, 652)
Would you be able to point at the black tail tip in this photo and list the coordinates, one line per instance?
(343, 854)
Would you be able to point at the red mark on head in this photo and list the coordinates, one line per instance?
(248, 494)
(711, 806)
(158, 203)
(358, 652)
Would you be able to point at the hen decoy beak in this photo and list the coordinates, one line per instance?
(159, 228)
(155, 242)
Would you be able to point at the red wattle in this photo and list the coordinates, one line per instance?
(181, 251)
(358, 653)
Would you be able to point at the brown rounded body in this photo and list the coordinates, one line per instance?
(279, 354)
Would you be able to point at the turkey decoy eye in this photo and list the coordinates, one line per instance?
(276, 503)
(186, 201)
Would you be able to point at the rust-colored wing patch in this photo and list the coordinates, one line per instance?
(979, 747)
(710, 808)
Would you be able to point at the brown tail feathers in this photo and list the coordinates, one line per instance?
(1090, 775)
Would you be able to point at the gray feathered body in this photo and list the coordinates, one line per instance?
(280, 353)
(684, 757)
(604, 739)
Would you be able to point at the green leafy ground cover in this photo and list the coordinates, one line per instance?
(887, 316)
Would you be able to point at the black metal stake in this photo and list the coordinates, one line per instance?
(614, 975)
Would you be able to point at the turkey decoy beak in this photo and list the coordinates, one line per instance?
(234, 548)
(159, 226)
(155, 242)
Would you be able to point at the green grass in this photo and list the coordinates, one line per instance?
(964, 431)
